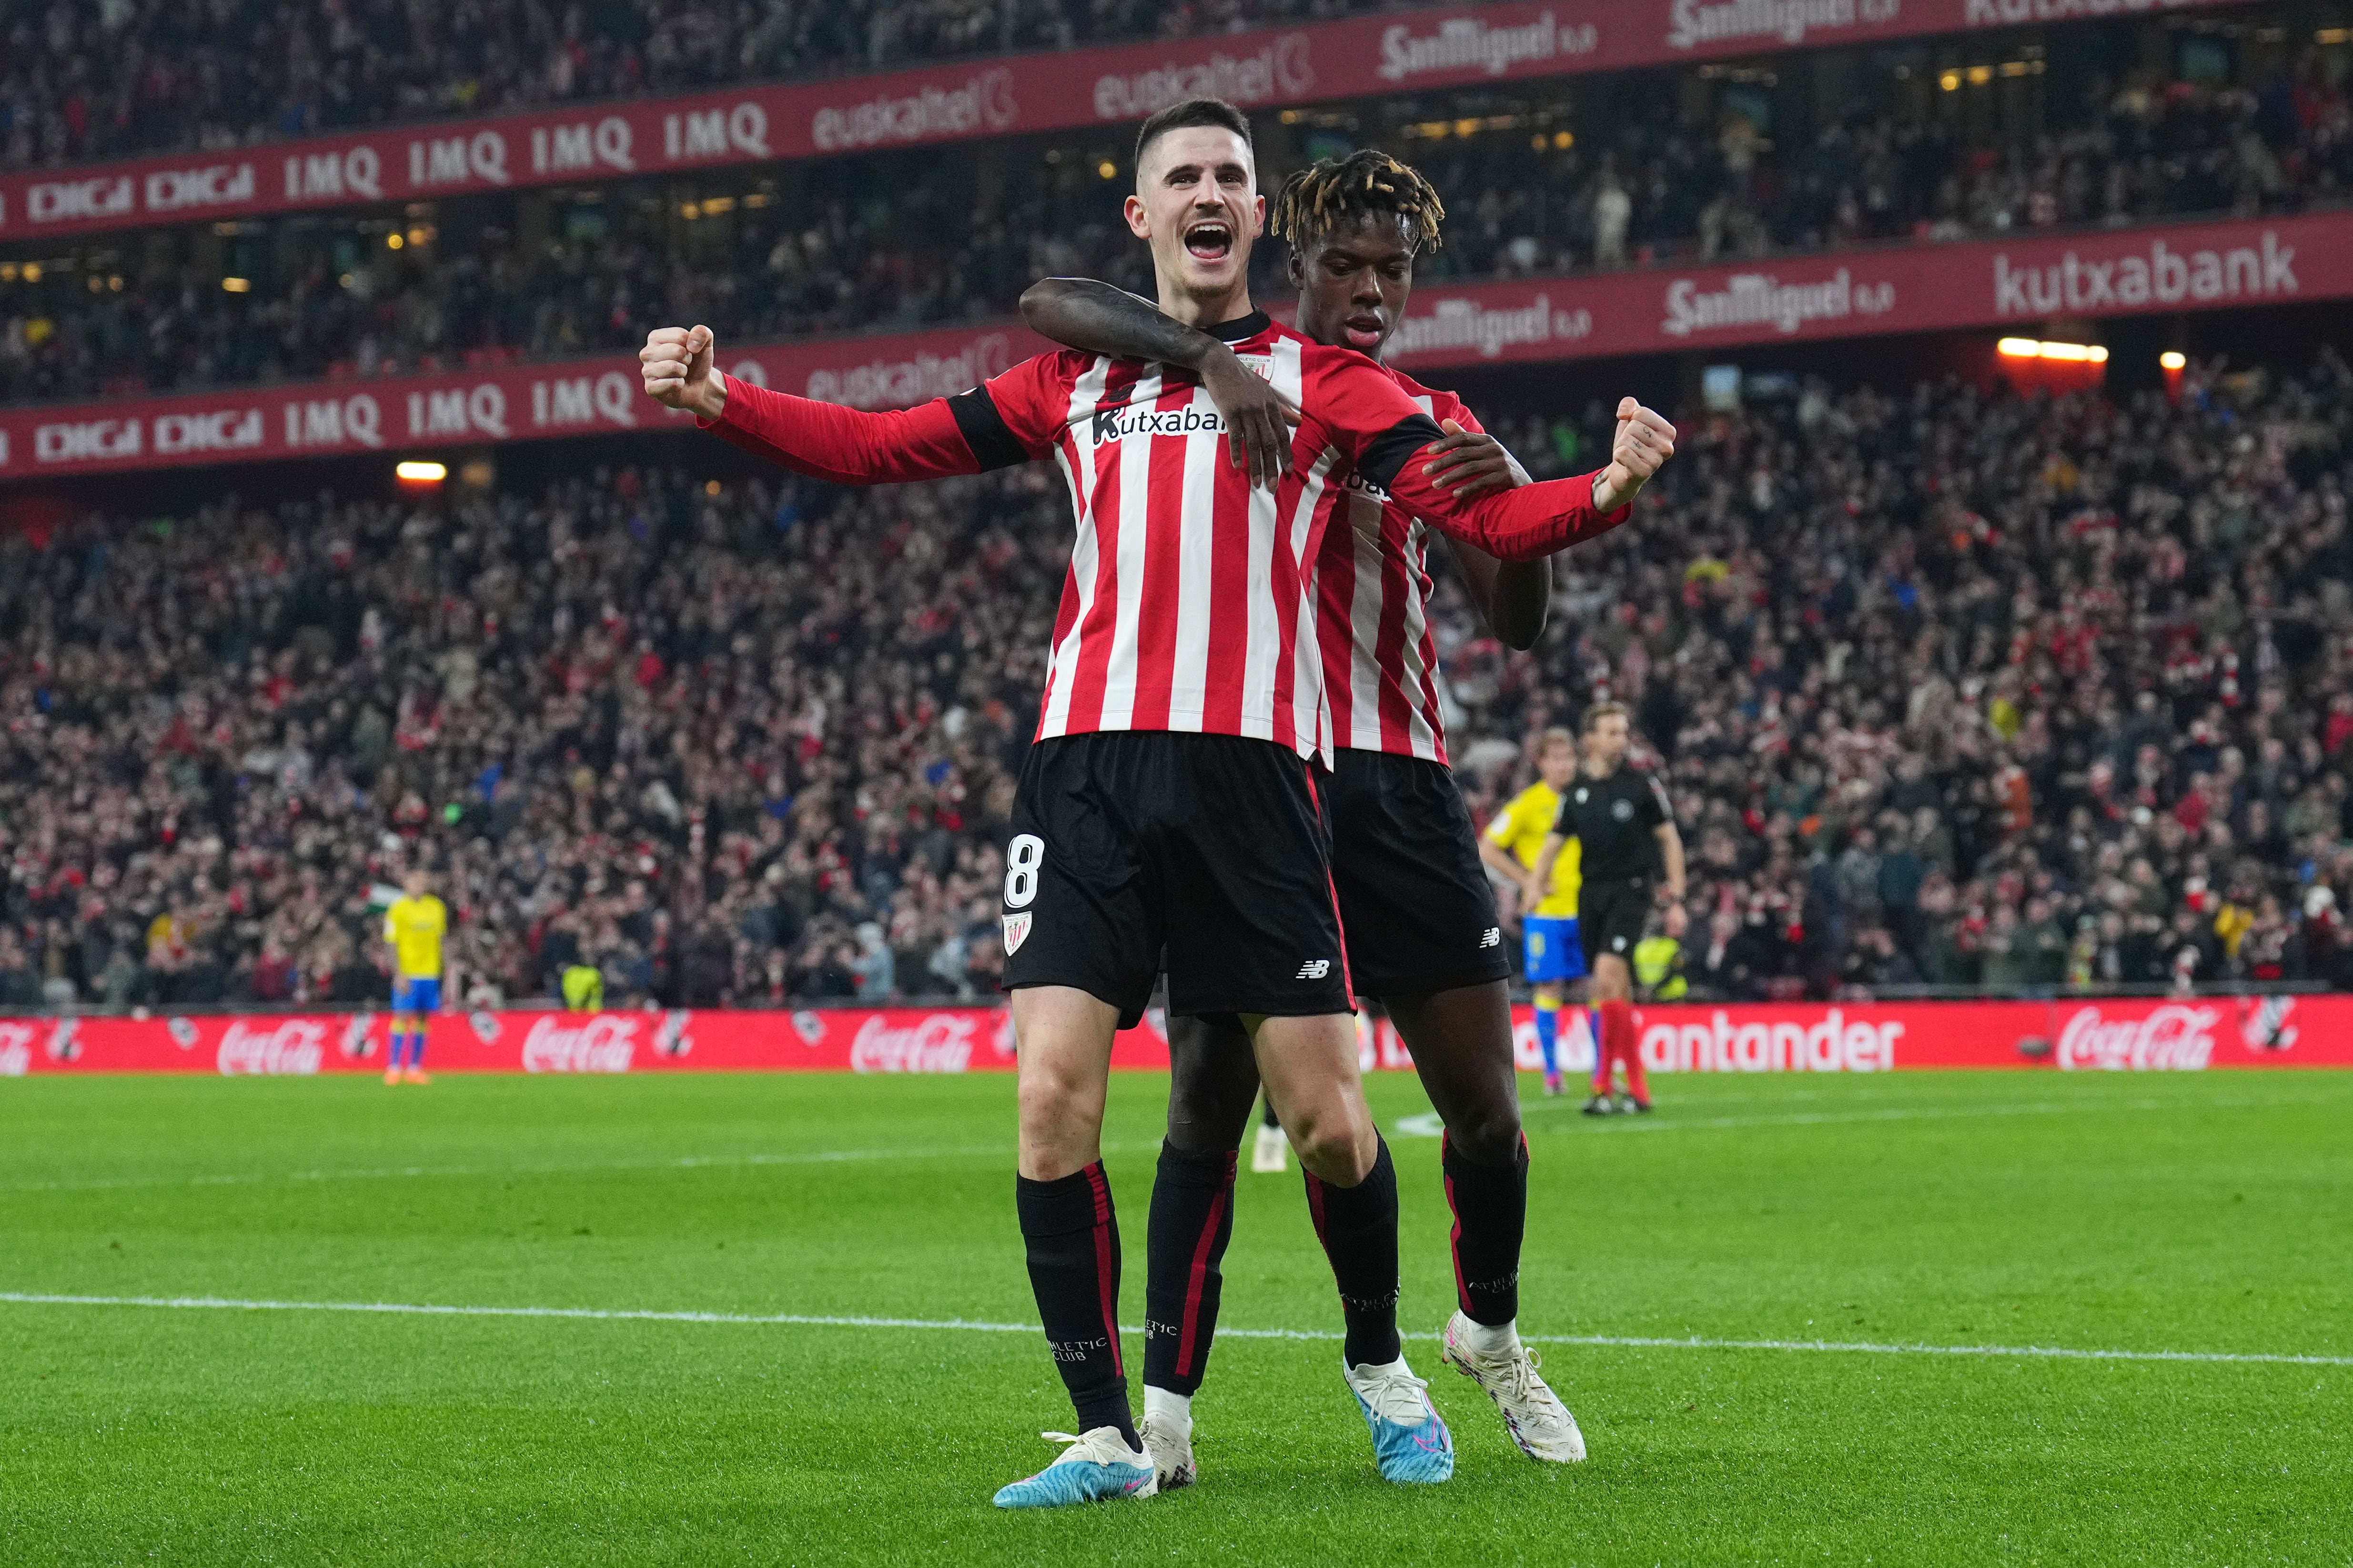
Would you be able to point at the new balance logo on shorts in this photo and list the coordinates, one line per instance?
(1495, 937)
(1314, 969)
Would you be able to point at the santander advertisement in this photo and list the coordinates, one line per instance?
(2066, 1036)
(1661, 310)
(1438, 47)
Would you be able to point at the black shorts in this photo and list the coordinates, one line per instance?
(1610, 917)
(1213, 848)
(1419, 913)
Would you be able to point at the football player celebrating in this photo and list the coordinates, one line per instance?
(1169, 803)
(1422, 933)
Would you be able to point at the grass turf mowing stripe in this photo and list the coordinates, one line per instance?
(396, 1173)
(606, 1314)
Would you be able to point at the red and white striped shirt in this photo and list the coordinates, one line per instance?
(1372, 596)
(1189, 604)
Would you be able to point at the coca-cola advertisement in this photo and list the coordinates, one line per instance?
(1117, 84)
(2140, 1035)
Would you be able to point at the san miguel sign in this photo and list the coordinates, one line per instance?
(1665, 310)
(1363, 57)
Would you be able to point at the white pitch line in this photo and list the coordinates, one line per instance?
(972, 1325)
(1428, 1124)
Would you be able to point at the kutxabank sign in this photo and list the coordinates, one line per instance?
(1994, 283)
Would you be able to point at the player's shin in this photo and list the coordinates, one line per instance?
(1192, 1221)
(1548, 1031)
(1070, 1232)
(1358, 1228)
(1490, 1205)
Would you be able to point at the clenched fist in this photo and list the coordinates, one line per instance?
(677, 364)
(1642, 446)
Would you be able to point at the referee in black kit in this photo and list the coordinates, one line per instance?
(1621, 817)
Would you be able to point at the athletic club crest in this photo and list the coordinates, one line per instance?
(1017, 931)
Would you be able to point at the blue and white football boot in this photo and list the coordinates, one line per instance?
(1096, 1467)
(1410, 1444)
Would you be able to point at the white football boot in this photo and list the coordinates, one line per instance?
(1271, 1155)
(1540, 1423)
(1172, 1454)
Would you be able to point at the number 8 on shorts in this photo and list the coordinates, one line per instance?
(1022, 857)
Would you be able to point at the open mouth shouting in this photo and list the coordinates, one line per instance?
(1210, 239)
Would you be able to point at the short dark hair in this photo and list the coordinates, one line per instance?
(1191, 112)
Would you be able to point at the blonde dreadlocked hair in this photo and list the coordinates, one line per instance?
(1315, 200)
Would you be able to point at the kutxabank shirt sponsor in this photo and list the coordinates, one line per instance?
(1120, 421)
(1760, 299)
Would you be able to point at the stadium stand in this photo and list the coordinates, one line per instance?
(822, 256)
(118, 77)
(1952, 687)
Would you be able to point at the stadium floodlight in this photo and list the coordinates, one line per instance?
(2074, 354)
(416, 473)
(2173, 359)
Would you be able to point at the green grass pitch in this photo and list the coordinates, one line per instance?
(2208, 1213)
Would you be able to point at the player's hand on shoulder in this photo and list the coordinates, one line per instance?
(678, 369)
(1258, 416)
(1643, 443)
(1470, 463)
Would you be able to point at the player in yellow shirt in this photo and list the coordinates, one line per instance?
(1552, 956)
(414, 927)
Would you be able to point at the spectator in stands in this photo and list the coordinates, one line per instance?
(814, 258)
(755, 745)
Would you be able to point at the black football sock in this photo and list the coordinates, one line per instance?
(1192, 1220)
(1072, 1235)
(1491, 1212)
(1358, 1228)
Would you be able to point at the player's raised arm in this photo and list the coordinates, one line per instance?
(1369, 418)
(823, 440)
(1085, 314)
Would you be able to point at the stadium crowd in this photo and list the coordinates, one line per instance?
(819, 258)
(1950, 687)
(111, 77)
